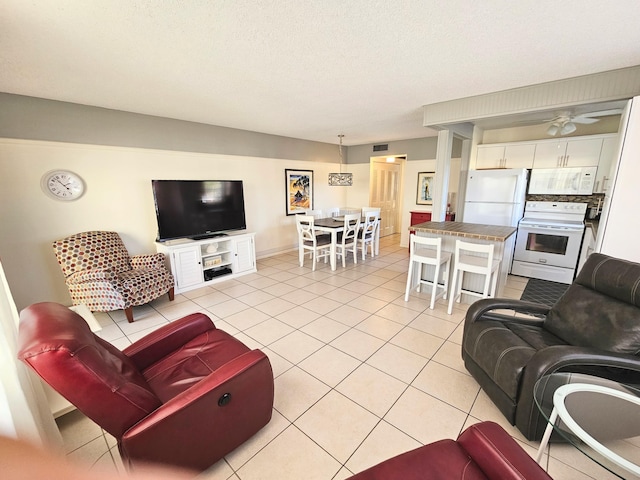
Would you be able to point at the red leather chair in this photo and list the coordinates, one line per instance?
(186, 394)
(483, 451)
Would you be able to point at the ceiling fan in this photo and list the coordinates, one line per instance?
(564, 123)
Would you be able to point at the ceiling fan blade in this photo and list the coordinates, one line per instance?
(584, 120)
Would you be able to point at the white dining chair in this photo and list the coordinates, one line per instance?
(348, 238)
(473, 258)
(428, 251)
(317, 214)
(331, 212)
(366, 210)
(367, 234)
(308, 241)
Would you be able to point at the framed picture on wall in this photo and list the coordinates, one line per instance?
(299, 190)
(425, 185)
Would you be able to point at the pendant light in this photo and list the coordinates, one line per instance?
(340, 179)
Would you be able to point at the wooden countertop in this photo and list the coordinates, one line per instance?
(494, 233)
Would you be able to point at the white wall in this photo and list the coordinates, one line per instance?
(410, 180)
(118, 197)
(621, 227)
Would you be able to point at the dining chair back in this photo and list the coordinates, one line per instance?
(473, 258)
(367, 234)
(348, 238)
(308, 241)
(315, 213)
(331, 212)
(366, 210)
(428, 251)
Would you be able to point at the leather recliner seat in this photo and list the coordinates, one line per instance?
(593, 328)
(186, 394)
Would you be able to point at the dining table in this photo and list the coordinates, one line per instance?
(335, 225)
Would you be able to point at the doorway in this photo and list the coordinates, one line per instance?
(385, 191)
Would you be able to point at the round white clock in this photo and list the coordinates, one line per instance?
(62, 185)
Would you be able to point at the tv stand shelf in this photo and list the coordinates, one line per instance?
(197, 263)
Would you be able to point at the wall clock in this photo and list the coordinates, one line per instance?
(62, 185)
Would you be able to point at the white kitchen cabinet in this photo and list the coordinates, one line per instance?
(583, 152)
(515, 155)
(604, 174)
(197, 263)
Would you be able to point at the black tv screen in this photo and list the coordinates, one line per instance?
(198, 208)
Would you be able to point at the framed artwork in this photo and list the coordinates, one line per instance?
(299, 190)
(425, 185)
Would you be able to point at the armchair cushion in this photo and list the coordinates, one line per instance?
(603, 307)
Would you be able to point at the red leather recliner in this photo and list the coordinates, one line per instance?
(186, 394)
(483, 451)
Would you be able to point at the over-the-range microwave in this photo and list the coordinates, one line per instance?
(562, 181)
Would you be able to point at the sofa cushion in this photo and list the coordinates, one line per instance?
(502, 349)
(600, 309)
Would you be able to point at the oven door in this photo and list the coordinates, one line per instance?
(548, 245)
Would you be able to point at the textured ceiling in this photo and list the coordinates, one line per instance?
(308, 69)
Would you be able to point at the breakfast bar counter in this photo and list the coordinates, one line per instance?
(502, 237)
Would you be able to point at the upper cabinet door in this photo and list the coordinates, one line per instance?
(505, 156)
(490, 156)
(568, 153)
(519, 156)
(583, 153)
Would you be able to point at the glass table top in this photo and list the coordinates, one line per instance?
(599, 417)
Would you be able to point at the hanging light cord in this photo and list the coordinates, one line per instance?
(340, 150)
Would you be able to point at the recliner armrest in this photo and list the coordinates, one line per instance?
(167, 339)
(483, 309)
(199, 423)
(498, 455)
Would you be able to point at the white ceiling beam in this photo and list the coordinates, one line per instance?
(607, 86)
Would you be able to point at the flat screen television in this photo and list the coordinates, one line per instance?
(198, 208)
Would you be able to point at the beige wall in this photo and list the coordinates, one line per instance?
(118, 197)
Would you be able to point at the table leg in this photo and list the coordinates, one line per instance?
(332, 250)
(547, 434)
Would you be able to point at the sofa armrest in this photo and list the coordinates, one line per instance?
(154, 260)
(498, 455)
(483, 310)
(91, 276)
(201, 425)
(161, 342)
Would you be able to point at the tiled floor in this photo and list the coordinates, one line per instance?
(360, 374)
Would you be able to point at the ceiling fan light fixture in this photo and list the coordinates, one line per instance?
(553, 129)
(567, 128)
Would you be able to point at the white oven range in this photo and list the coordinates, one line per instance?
(548, 240)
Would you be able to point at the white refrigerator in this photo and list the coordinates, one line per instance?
(495, 197)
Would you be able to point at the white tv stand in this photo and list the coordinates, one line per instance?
(197, 263)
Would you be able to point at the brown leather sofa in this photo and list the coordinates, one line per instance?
(593, 328)
(185, 395)
(483, 451)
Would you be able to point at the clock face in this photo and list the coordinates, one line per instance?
(63, 185)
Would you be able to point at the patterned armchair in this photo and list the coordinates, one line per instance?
(100, 273)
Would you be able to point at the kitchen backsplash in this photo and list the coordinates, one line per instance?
(594, 200)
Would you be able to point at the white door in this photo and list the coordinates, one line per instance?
(384, 193)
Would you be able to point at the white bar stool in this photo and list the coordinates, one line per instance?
(479, 260)
(428, 251)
